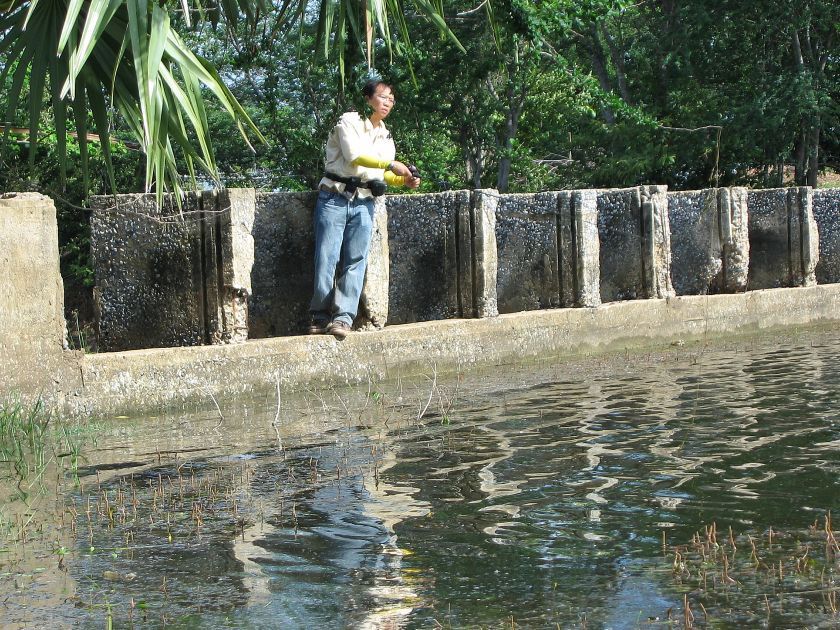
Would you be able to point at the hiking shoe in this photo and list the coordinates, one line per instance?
(318, 327)
(339, 329)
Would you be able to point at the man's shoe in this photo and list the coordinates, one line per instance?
(339, 329)
(318, 327)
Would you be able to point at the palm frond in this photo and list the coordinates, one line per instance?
(98, 56)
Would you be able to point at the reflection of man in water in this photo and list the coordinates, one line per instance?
(357, 148)
(332, 560)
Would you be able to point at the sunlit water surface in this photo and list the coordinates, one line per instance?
(545, 505)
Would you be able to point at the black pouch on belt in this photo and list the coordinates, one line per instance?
(376, 186)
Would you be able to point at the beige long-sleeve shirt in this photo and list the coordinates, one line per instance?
(352, 138)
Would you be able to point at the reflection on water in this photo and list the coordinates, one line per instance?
(544, 505)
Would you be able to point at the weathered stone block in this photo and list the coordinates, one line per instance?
(528, 253)
(709, 240)
(656, 241)
(635, 249)
(427, 271)
(827, 216)
(373, 307)
(484, 206)
(784, 241)
(32, 329)
(694, 261)
(171, 276)
(284, 255)
(237, 247)
(147, 263)
(733, 234)
(228, 224)
(548, 250)
(585, 248)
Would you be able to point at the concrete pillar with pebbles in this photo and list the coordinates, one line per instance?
(172, 276)
(709, 240)
(784, 239)
(635, 243)
(485, 261)
(826, 208)
(373, 307)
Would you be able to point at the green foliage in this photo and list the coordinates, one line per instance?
(552, 94)
(128, 58)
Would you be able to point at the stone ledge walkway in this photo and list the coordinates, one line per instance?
(147, 380)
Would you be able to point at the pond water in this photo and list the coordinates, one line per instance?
(690, 487)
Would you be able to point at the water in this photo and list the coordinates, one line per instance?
(549, 496)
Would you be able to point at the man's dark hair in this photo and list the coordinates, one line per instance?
(370, 87)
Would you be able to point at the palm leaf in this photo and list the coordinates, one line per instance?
(124, 54)
(80, 118)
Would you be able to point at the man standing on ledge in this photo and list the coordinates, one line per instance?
(360, 154)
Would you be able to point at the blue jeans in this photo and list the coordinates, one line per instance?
(342, 238)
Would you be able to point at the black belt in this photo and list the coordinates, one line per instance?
(351, 184)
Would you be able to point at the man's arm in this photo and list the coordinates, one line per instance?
(397, 168)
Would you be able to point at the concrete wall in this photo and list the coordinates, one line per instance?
(172, 276)
(635, 243)
(132, 236)
(430, 252)
(283, 264)
(457, 254)
(131, 382)
(826, 207)
(709, 240)
(427, 261)
(32, 330)
(548, 251)
(442, 255)
(783, 238)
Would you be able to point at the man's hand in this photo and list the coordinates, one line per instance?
(410, 173)
(414, 180)
(398, 168)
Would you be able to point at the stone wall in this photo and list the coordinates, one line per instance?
(417, 269)
(283, 264)
(459, 254)
(548, 250)
(126, 383)
(428, 238)
(827, 215)
(783, 238)
(187, 275)
(432, 257)
(635, 243)
(172, 276)
(32, 330)
(709, 240)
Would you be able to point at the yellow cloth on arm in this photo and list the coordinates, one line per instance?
(368, 161)
(394, 180)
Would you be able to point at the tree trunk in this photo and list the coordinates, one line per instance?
(669, 13)
(780, 174)
(599, 65)
(813, 151)
(800, 156)
(473, 162)
(516, 102)
(617, 57)
(801, 144)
